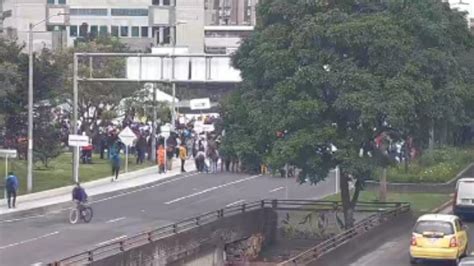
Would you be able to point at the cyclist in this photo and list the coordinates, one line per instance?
(79, 196)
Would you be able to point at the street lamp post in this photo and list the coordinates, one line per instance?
(29, 185)
(173, 83)
(29, 182)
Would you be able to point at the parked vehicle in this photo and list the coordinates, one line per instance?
(463, 204)
(439, 237)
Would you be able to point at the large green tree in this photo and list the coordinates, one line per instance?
(14, 95)
(339, 73)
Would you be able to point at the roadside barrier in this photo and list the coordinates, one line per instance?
(383, 210)
(358, 229)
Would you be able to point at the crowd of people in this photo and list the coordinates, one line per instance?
(187, 141)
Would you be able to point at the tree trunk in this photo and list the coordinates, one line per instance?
(431, 136)
(443, 136)
(383, 186)
(346, 201)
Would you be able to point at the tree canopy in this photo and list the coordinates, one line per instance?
(338, 73)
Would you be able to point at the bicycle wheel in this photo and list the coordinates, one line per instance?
(73, 216)
(87, 214)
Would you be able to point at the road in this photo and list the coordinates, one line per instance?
(387, 246)
(43, 239)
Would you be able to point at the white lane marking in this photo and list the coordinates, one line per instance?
(37, 264)
(276, 189)
(211, 189)
(111, 240)
(115, 220)
(29, 240)
(21, 219)
(141, 189)
(235, 203)
(101, 200)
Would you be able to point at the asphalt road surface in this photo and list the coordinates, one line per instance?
(386, 246)
(44, 239)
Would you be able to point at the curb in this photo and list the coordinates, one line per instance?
(442, 206)
(65, 205)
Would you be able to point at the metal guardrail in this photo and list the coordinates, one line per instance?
(113, 248)
(332, 243)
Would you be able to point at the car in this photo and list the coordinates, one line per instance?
(468, 261)
(438, 237)
(463, 203)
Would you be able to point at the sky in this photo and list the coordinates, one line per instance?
(466, 5)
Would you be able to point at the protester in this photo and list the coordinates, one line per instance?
(160, 157)
(213, 156)
(141, 147)
(200, 160)
(115, 161)
(183, 155)
(11, 185)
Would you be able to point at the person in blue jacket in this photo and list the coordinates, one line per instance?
(115, 161)
(11, 185)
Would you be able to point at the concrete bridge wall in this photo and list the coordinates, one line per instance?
(202, 245)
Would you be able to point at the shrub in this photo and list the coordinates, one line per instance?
(438, 166)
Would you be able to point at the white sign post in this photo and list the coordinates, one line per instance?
(165, 132)
(200, 104)
(77, 141)
(127, 137)
(7, 154)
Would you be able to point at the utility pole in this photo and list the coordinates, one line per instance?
(75, 106)
(153, 129)
(29, 184)
(29, 173)
(173, 83)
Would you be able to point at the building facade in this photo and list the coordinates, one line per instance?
(142, 24)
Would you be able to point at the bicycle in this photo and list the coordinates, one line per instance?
(82, 212)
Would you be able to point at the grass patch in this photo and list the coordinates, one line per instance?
(59, 173)
(420, 202)
(438, 166)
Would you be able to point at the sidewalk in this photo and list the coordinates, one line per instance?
(54, 199)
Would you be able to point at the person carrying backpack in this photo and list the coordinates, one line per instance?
(11, 184)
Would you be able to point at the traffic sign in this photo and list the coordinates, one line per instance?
(78, 140)
(127, 136)
(165, 130)
(8, 153)
(200, 104)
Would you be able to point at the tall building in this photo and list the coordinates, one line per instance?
(230, 12)
(142, 24)
(227, 23)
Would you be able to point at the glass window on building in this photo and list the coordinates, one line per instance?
(129, 12)
(123, 31)
(144, 31)
(155, 2)
(166, 2)
(135, 31)
(114, 31)
(73, 31)
(155, 31)
(83, 30)
(103, 31)
(94, 31)
(88, 12)
(167, 35)
(62, 2)
(49, 2)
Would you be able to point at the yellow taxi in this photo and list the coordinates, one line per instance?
(438, 237)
